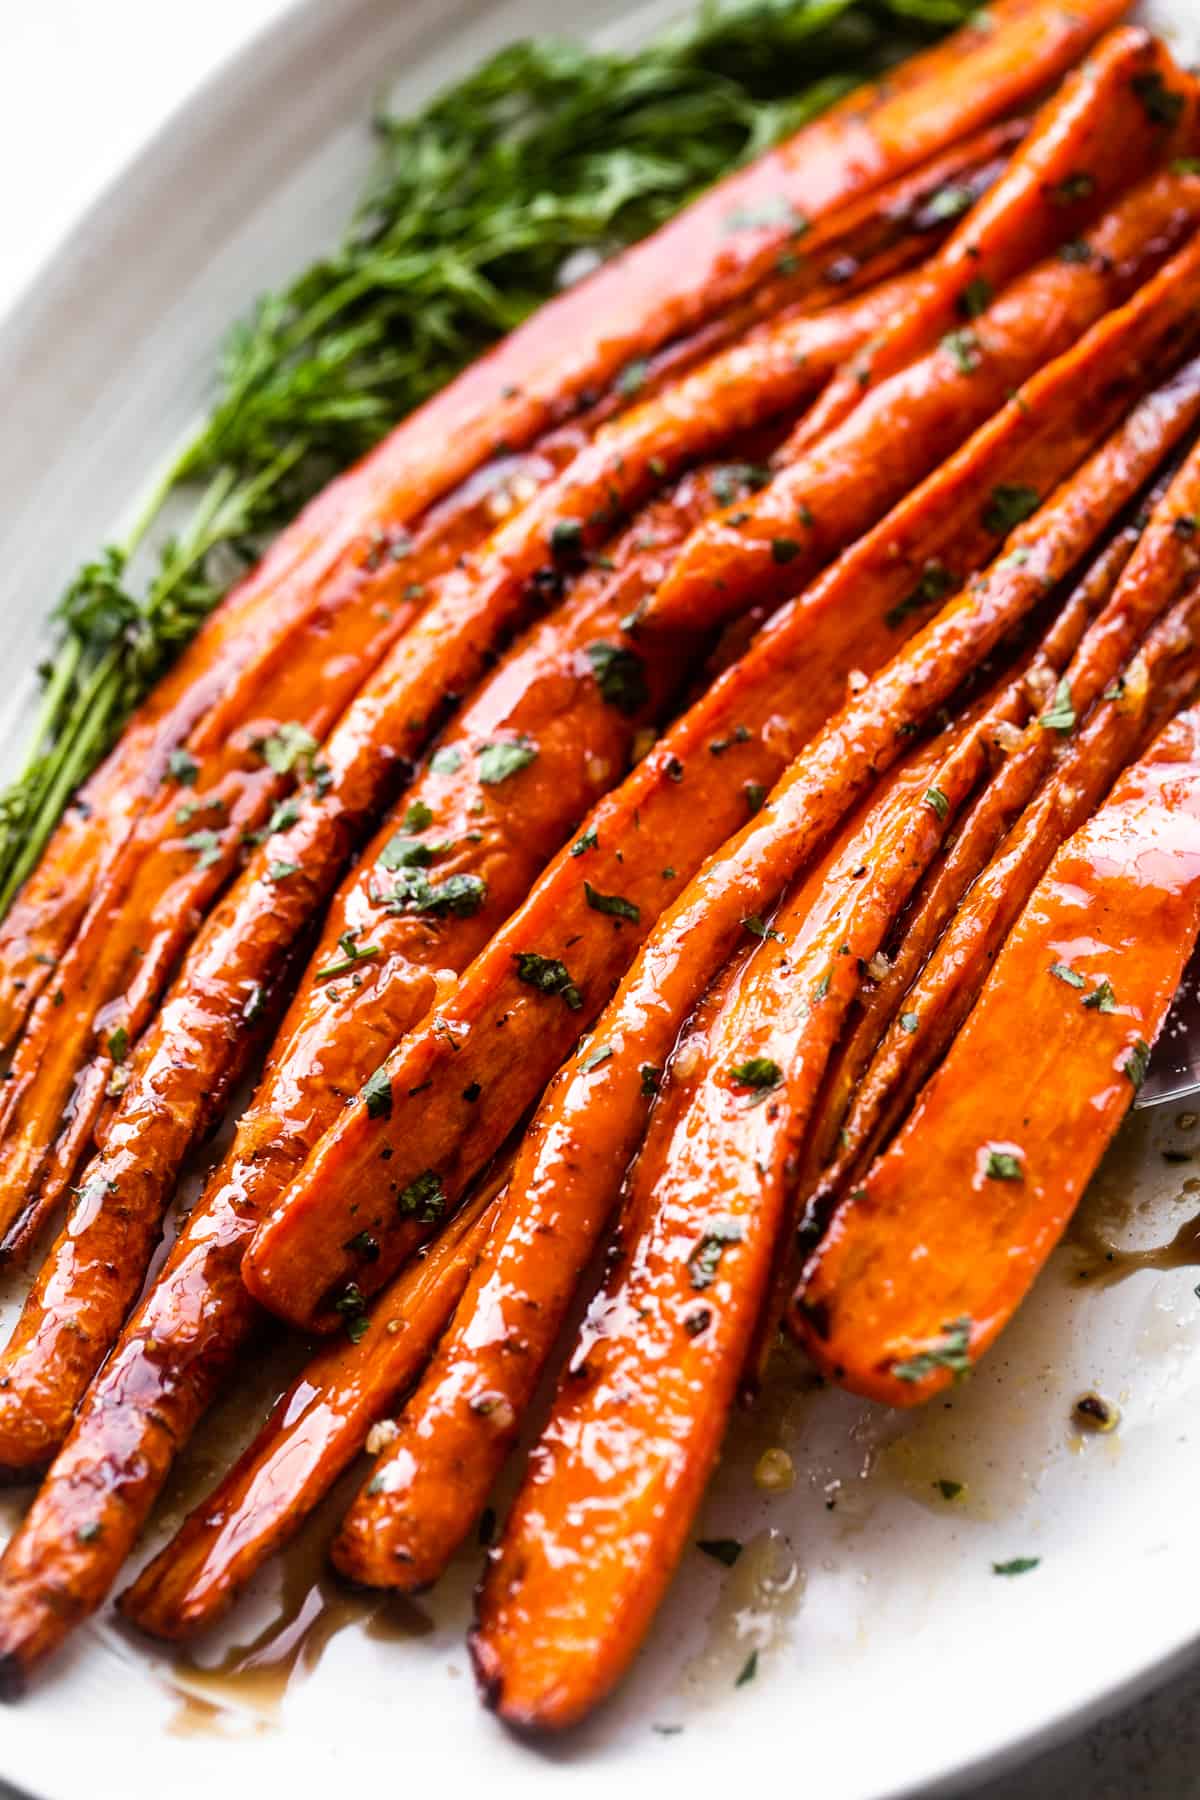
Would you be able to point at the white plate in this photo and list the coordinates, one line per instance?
(891, 1660)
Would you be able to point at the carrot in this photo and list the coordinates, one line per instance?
(314, 1433)
(523, 762)
(945, 989)
(974, 841)
(918, 415)
(506, 1035)
(179, 1346)
(1063, 1024)
(431, 1485)
(733, 393)
(1126, 107)
(592, 1540)
(661, 289)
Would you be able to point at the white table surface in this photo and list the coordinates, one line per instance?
(82, 84)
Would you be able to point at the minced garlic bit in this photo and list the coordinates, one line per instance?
(879, 966)
(1093, 1413)
(1007, 737)
(1040, 684)
(381, 1436)
(774, 1472)
(857, 680)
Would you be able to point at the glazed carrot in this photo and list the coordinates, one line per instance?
(984, 1179)
(431, 1484)
(179, 1346)
(464, 1417)
(1128, 105)
(661, 289)
(974, 841)
(516, 1032)
(736, 391)
(527, 758)
(313, 1435)
(942, 994)
(592, 1541)
(918, 415)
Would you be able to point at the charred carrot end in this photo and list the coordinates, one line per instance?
(1064, 1024)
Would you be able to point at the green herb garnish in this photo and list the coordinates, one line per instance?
(952, 1351)
(498, 761)
(377, 1094)
(620, 676)
(548, 976)
(1008, 505)
(614, 904)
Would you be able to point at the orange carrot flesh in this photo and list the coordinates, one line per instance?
(199, 1314)
(938, 996)
(978, 836)
(1108, 120)
(735, 392)
(656, 291)
(1119, 909)
(527, 758)
(297, 1257)
(314, 1433)
(918, 416)
(432, 1483)
(615, 1479)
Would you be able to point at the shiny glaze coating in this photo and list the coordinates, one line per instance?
(1076, 770)
(909, 422)
(660, 289)
(496, 836)
(1096, 125)
(297, 1256)
(315, 1431)
(1120, 903)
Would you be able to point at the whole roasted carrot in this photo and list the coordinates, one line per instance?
(974, 840)
(549, 971)
(179, 1346)
(661, 289)
(592, 1540)
(314, 1433)
(522, 763)
(1064, 1025)
(946, 987)
(731, 394)
(918, 415)
(1127, 105)
(431, 1484)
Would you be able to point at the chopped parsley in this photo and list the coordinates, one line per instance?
(757, 1072)
(935, 799)
(1161, 104)
(446, 761)
(650, 1078)
(749, 1670)
(1073, 189)
(498, 761)
(183, 768)
(587, 841)
(595, 1058)
(1061, 715)
(952, 1351)
(975, 298)
(1020, 1565)
(377, 1095)
(548, 976)
(1009, 504)
(909, 1021)
(620, 675)
(613, 904)
(705, 1258)
(205, 846)
(1064, 972)
(784, 549)
(419, 817)
(1137, 1062)
(288, 746)
(1103, 999)
(1002, 1165)
(424, 1198)
(935, 583)
(964, 350)
(949, 1490)
(353, 1308)
(566, 537)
